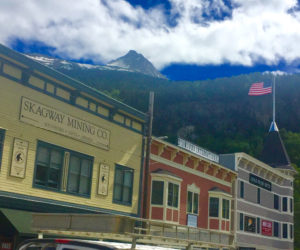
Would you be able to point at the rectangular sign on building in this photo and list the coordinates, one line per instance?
(51, 119)
(19, 158)
(258, 181)
(266, 227)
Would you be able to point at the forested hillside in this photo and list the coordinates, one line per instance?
(215, 114)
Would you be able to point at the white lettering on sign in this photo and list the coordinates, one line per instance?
(51, 119)
(197, 150)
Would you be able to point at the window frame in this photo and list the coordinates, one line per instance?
(276, 201)
(209, 208)
(195, 192)
(285, 231)
(285, 204)
(241, 222)
(2, 139)
(276, 225)
(163, 191)
(62, 176)
(85, 157)
(173, 196)
(228, 212)
(123, 169)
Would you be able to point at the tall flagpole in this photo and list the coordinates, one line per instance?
(273, 126)
(273, 98)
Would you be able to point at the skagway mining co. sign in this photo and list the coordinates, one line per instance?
(51, 119)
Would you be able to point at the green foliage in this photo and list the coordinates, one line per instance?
(223, 118)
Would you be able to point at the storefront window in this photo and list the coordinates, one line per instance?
(50, 164)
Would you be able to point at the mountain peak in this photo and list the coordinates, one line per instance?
(134, 61)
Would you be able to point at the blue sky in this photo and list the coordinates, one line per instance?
(184, 39)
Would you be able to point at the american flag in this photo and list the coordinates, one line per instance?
(258, 88)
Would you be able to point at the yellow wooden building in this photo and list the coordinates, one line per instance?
(64, 147)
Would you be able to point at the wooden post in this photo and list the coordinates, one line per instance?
(147, 156)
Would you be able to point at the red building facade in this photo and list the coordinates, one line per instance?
(188, 189)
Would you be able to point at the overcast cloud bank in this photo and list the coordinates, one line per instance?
(201, 32)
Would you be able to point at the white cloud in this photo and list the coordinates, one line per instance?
(103, 30)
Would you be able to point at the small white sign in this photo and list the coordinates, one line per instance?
(19, 158)
(103, 179)
(192, 220)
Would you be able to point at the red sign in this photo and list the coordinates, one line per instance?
(266, 227)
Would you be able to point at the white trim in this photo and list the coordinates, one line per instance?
(263, 165)
(273, 183)
(220, 218)
(189, 170)
(259, 216)
(258, 205)
(194, 190)
(166, 179)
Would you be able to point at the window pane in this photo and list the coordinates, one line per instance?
(214, 207)
(175, 196)
(128, 178)
(74, 171)
(85, 176)
(84, 185)
(170, 194)
(56, 157)
(190, 202)
(43, 155)
(119, 176)
(276, 234)
(242, 189)
(123, 185)
(225, 210)
(276, 201)
(284, 204)
(241, 221)
(85, 167)
(41, 175)
(117, 192)
(126, 194)
(157, 192)
(196, 203)
(284, 231)
(53, 180)
(258, 225)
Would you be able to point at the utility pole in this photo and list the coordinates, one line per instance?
(148, 151)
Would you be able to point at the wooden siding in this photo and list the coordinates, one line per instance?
(125, 148)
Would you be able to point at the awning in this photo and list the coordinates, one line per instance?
(21, 220)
